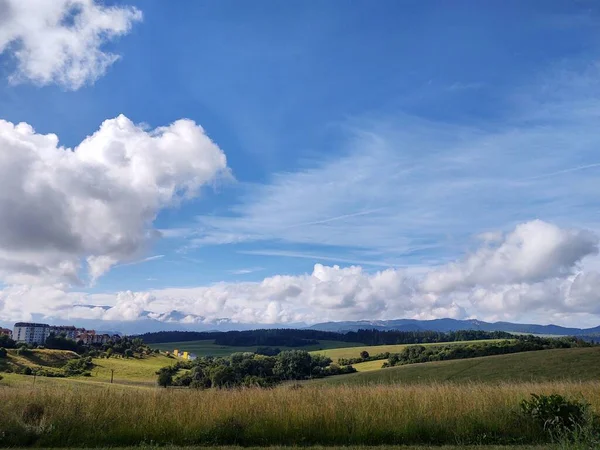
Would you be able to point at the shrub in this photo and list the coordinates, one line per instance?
(23, 351)
(165, 377)
(364, 354)
(3, 352)
(556, 414)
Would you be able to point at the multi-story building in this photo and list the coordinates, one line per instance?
(36, 333)
(90, 337)
(6, 331)
(31, 333)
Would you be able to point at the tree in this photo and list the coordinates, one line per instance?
(128, 353)
(364, 354)
(222, 376)
(7, 342)
(165, 377)
(293, 365)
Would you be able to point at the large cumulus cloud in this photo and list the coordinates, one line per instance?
(96, 202)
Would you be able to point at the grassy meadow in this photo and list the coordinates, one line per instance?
(209, 348)
(546, 365)
(71, 415)
(354, 351)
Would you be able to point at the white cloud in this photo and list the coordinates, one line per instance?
(409, 189)
(534, 251)
(533, 272)
(95, 202)
(61, 41)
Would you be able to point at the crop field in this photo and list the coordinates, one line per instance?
(354, 352)
(428, 414)
(209, 348)
(545, 365)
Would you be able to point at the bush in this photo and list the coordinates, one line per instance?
(3, 352)
(556, 414)
(364, 354)
(23, 351)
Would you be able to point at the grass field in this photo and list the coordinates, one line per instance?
(354, 352)
(46, 358)
(209, 348)
(79, 416)
(132, 371)
(545, 365)
(351, 447)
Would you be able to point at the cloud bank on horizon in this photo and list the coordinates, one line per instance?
(404, 213)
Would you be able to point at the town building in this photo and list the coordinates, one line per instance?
(31, 333)
(37, 333)
(6, 331)
(90, 337)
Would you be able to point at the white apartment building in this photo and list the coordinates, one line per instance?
(36, 333)
(31, 333)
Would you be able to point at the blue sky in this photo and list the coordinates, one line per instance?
(381, 135)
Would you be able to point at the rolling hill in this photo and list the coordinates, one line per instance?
(576, 364)
(209, 348)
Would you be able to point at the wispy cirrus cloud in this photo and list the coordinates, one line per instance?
(419, 190)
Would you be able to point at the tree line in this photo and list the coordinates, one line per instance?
(299, 338)
(419, 353)
(249, 369)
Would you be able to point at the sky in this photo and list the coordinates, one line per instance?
(278, 163)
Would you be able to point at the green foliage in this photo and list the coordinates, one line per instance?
(420, 353)
(23, 351)
(557, 414)
(165, 377)
(7, 342)
(249, 369)
(364, 354)
(3, 352)
(78, 366)
(61, 342)
(293, 365)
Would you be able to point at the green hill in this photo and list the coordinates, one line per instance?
(209, 348)
(352, 351)
(544, 365)
(36, 358)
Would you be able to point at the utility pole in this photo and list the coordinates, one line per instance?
(112, 374)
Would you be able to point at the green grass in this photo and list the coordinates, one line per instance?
(545, 365)
(354, 352)
(209, 348)
(39, 357)
(434, 414)
(369, 365)
(130, 369)
(390, 447)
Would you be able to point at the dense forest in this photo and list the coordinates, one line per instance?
(299, 338)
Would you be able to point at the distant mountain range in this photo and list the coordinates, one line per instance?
(171, 321)
(453, 325)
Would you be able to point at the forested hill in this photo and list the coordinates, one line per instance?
(299, 338)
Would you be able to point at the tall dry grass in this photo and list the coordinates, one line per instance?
(435, 414)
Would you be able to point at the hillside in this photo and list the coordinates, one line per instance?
(578, 364)
(209, 348)
(354, 352)
(37, 358)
